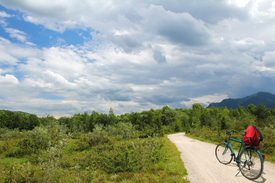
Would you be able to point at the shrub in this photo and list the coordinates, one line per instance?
(17, 147)
(86, 141)
(17, 173)
(1, 146)
(9, 134)
(268, 144)
(122, 131)
(128, 156)
(40, 138)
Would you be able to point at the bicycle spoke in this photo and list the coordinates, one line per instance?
(223, 153)
(251, 164)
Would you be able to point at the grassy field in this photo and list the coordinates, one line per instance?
(134, 160)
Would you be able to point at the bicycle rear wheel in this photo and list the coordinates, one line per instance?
(251, 164)
(223, 153)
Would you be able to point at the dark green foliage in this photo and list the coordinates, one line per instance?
(20, 120)
(93, 120)
(148, 123)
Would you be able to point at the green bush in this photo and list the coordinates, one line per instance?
(86, 141)
(40, 138)
(268, 144)
(118, 158)
(122, 131)
(1, 147)
(17, 173)
(125, 156)
(16, 144)
(10, 134)
(26, 172)
(17, 147)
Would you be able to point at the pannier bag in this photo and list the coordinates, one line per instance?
(252, 136)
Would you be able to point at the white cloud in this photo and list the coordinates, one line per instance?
(142, 55)
(4, 14)
(240, 3)
(7, 58)
(249, 44)
(30, 43)
(179, 28)
(11, 53)
(17, 34)
(269, 60)
(48, 23)
(205, 100)
(8, 80)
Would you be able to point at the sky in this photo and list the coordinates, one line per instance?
(70, 56)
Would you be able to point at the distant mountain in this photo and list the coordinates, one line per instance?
(268, 99)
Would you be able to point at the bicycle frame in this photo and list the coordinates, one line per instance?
(228, 143)
(246, 159)
(230, 146)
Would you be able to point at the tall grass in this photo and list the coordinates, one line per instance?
(106, 155)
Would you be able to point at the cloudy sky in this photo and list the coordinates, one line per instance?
(69, 56)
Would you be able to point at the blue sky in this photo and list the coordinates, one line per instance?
(64, 58)
(40, 36)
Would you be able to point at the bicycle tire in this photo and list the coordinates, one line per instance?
(223, 153)
(250, 164)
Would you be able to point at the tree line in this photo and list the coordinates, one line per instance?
(20, 120)
(151, 122)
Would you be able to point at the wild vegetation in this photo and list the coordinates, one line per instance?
(131, 147)
(87, 148)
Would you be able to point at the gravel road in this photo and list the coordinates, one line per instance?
(203, 167)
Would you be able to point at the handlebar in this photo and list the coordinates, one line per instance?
(229, 132)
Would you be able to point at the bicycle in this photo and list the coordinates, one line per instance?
(249, 159)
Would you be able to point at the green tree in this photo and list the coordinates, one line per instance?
(3, 119)
(151, 118)
(252, 108)
(223, 124)
(261, 114)
(93, 120)
(48, 120)
(18, 121)
(159, 127)
(34, 121)
(10, 118)
(241, 110)
(111, 117)
(177, 125)
(196, 114)
(272, 111)
(102, 119)
(168, 115)
(85, 120)
(206, 118)
(76, 123)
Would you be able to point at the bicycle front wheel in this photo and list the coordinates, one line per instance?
(223, 153)
(250, 164)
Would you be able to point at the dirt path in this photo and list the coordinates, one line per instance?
(202, 166)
